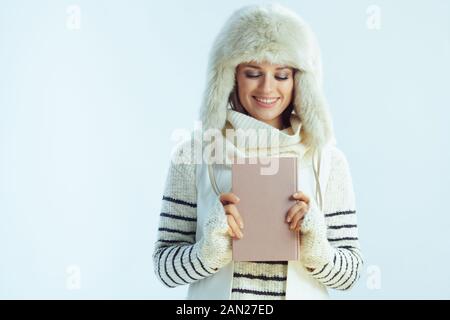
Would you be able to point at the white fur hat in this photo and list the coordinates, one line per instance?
(275, 34)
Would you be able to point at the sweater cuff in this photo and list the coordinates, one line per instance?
(315, 250)
(216, 244)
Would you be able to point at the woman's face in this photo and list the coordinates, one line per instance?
(265, 90)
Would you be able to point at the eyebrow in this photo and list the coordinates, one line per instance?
(257, 67)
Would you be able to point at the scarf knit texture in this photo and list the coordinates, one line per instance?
(330, 244)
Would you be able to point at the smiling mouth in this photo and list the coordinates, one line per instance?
(266, 102)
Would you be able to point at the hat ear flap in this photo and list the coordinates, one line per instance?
(213, 112)
(311, 106)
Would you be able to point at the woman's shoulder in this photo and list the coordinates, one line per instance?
(337, 157)
(184, 151)
(336, 153)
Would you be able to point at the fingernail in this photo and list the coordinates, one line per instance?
(241, 235)
(288, 219)
(238, 198)
(295, 194)
(241, 225)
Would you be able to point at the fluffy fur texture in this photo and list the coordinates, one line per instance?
(275, 34)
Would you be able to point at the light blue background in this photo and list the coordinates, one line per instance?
(86, 118)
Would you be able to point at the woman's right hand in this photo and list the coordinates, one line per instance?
(234, 219)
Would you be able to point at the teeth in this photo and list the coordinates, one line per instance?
(266, 101)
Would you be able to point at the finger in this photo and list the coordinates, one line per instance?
(229, 197)
(293, 210)
(230, 232)
(234, 227)
(232, 210)
(298, 227)
(295, 219)
(301, 196)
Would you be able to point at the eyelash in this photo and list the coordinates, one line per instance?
(251, 76)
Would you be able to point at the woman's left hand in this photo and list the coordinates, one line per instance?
(297, 212)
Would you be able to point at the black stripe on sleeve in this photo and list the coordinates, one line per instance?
(259, 277)
(356, 275)
(332, 267)
(339, 213)
(356, 251)
(169, 250)
(342, 239)
(331, 270)
(203, 267)
(178, 201)
(173, 265)
(260, 293)
(159, 269)
(345, 271)
(174, 241)
(351, 272)
(173, 216)
(192, 265)
(341, 259)
(344, 226)
(321, 270)
(189, 233)
(182, 264)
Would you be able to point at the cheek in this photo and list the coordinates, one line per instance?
(287, 89)
(246, 87)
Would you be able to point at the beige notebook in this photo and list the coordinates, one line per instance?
(265, 191)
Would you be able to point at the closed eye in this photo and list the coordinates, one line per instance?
(253, 76)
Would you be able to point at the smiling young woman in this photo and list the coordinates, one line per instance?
(264, 75)
(265, 92)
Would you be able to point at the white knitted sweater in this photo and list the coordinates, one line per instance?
(179, 260)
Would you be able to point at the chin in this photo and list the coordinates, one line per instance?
(265, 115)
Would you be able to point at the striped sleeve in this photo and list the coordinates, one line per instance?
(176, 253)
(344, 270)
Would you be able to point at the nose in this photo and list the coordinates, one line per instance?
(267, 84)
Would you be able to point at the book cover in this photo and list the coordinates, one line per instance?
(265, 187)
